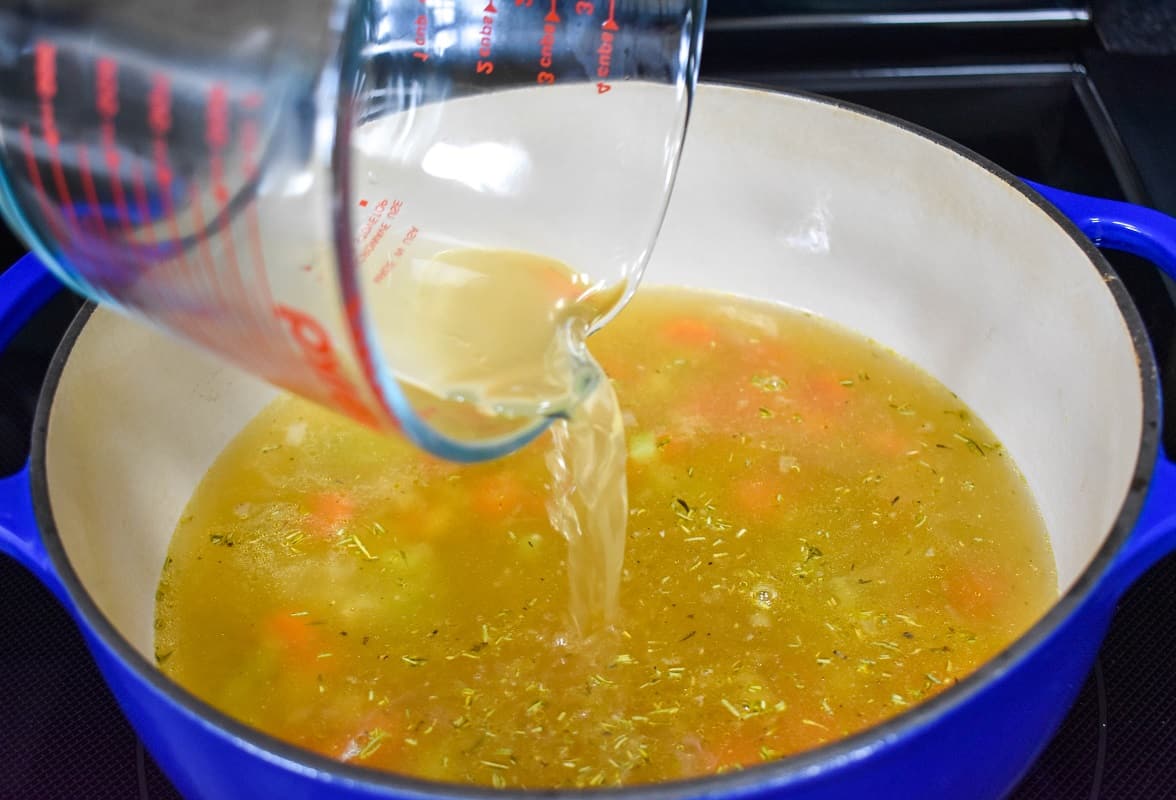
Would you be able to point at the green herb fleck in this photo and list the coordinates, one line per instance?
(972, 444)
(376, 736)
(736, 713)
(768, 383)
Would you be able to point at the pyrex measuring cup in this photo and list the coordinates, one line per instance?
(258, 176)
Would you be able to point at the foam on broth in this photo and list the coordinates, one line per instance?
(820, 536)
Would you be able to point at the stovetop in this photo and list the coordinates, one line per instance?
(1054, 102)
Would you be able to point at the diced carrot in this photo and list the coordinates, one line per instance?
(291, 634)
(329, 511)
(974, 590)
(690, 332)
(825, 392)
(890, 442)
(558, 284)
(757, 496)
(304, 648)
(502, 494)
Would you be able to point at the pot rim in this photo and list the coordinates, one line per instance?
(780, 773)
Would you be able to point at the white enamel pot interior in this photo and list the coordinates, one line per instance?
(780, 197)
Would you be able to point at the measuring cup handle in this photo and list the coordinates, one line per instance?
(1149, 234)
(24, 289)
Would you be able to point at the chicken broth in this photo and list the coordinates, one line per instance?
(820, 536)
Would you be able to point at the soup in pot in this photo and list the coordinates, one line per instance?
(819, 537)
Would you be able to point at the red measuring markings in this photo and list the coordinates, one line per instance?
(370, 223)
(159, 120)
(209, 270)
(605, 51)
(250, 104)
(139, 189)
(377, 226)
(249, 148)
(106, 88)
(26, 137)
(106, 100)
(215, 132)
(390, 264)
(215, 336)
(314, 344)
(547, 47)
(216, 136)
(90, 190)
(421, 38)
(610, 24)
(45, 83)
(485, 47)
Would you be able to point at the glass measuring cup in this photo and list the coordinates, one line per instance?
(265, 179)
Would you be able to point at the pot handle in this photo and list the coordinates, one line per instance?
(24, 289)
(1138, 230)
(1149, 234)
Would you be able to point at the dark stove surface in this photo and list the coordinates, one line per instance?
(62, 736)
